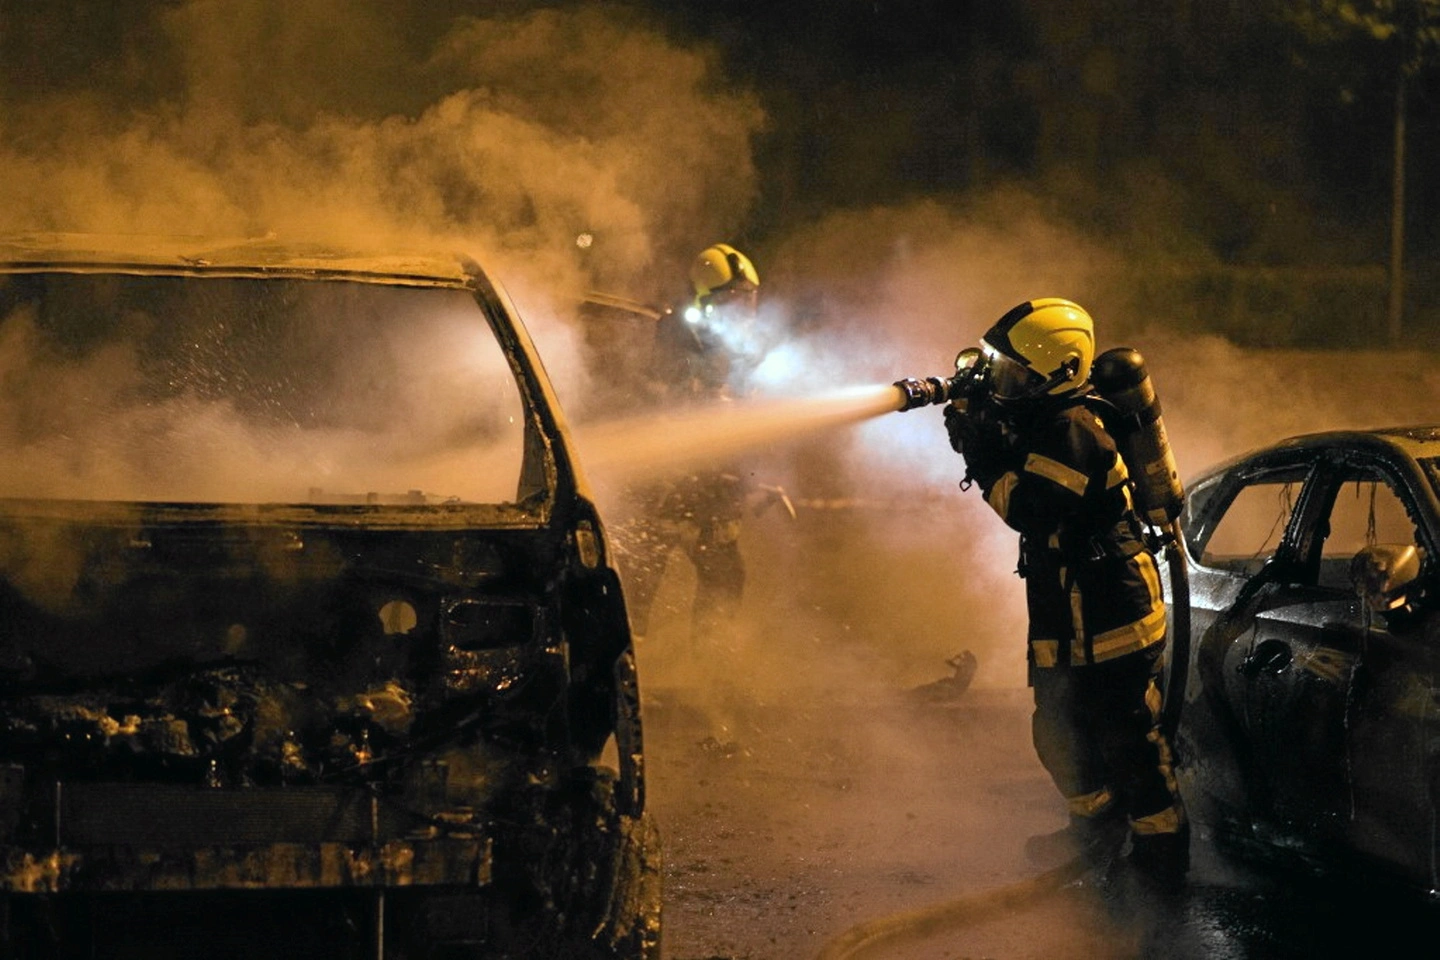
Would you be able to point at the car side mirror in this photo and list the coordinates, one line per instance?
(1384, 574)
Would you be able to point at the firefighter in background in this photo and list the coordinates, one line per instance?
(1047, 466)
(704, 353)
(708, 350)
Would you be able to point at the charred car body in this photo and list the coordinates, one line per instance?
(309, 635)
(1311, 728)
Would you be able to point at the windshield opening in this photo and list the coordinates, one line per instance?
(206, 389)
(1244, 530)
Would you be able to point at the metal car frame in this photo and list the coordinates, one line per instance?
(1311, 729)
(566, 863)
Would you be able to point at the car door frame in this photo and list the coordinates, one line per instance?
(1391, 723)
(1332, 654)
(1219, 757)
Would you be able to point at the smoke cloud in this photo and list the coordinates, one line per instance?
(878, 294)
(511, 135)
(515, 134)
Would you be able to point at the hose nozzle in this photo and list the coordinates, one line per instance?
(930, 391)
(971, 382)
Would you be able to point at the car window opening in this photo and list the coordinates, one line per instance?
(1236, 542)
(1367, 510)
(169, 389)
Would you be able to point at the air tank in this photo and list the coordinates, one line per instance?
(1120, 377)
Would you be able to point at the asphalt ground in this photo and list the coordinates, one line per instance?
(788, 848)
(809, 789)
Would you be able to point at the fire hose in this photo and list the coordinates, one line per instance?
(1178, 648)
(911, 926)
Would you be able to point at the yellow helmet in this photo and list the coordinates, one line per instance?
(1040, 347)
(721, 268)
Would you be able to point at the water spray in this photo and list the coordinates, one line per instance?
(688, 438)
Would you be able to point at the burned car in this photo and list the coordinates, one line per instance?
(1311, 726)
(310, 638)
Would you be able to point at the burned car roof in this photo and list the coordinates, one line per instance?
(1416, 441)
(261, 255)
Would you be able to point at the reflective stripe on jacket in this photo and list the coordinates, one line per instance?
(1092, 587)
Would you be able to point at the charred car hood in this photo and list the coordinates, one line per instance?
(222, 651)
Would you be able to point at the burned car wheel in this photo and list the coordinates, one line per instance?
(310, 639)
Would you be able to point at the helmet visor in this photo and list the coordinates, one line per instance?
(1012, 380)
(734, 299)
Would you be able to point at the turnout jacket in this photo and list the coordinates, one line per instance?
(1091, 584)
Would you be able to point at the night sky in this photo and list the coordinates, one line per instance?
(1213, 133)
(875, 101)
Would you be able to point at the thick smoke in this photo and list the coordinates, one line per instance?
(367, 125)
(512, 136)
(884, 293)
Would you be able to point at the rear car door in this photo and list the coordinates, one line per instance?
(1389, 718)
(1327, 710)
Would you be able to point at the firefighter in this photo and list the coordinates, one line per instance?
(1045, 463)
(708, 349)
(704, 353)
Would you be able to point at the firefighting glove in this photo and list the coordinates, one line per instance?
(969, 432)
(982, 444)
(984, 466)
(957, 425)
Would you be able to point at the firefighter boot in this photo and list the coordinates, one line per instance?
(1160, 861)
(1097, 839)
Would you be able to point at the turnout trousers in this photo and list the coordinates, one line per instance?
(1096, 731)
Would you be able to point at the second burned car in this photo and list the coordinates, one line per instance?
(1311, 728)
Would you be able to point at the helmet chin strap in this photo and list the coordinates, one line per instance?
(1066, 371)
